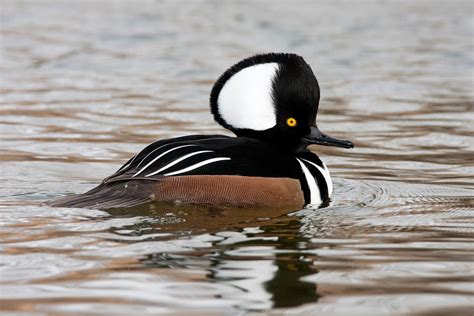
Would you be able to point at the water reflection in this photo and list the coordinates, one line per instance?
(287, 285)
(265, 264)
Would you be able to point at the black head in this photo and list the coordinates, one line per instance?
(273, 98)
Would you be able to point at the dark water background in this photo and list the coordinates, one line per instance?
(84, 85)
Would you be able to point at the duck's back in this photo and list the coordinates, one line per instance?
(200, 169)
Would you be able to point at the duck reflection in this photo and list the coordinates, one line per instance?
(286, 286)
(258, 253)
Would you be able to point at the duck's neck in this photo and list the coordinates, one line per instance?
(280, 143)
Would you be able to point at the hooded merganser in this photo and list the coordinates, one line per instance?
(270, 102)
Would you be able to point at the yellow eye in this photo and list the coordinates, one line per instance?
(291, 122)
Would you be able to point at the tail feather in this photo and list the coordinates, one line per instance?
(105, 196)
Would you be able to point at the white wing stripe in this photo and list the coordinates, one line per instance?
(325, 172)
(159, 156)
(127, 164)
(151, 153)
(195, 166)
(315, 196)
(178, 160)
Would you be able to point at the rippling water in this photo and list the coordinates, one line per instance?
(85, 85)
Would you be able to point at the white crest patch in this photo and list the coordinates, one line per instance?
(245, 100)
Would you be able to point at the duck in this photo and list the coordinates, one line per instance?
(270, 102)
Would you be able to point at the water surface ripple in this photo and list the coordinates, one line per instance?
(84, 85)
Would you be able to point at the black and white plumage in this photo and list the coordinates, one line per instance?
(270, 102)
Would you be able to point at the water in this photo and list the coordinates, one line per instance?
(85, 85)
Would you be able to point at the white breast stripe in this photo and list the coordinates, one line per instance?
(159, 156)
(325, 172)
(178, 160)
(315, 196)
(195, 166)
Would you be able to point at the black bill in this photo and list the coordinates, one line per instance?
(318, 138)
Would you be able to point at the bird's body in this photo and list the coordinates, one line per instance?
(267, 164)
